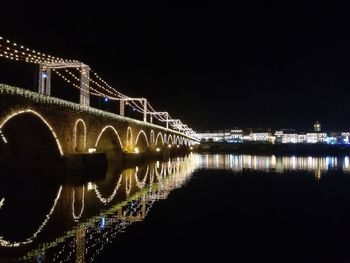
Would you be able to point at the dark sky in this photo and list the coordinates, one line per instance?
(213, 65)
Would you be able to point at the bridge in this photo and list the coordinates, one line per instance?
(37, 125)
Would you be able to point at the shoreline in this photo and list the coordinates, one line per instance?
(273, 149)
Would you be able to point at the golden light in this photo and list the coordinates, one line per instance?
(158, 149)
(136, 150)
(92, 150)
(169, 145)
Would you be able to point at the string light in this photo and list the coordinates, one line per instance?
(144, 135)
(5, 243)
(111, 197)
(77, 217)
(13, 51)
(159, 135)
(132, 209)
(115, 131)
(2, 202)
(38, 115)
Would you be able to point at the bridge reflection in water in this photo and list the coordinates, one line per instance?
(46, 221)
(76, 221)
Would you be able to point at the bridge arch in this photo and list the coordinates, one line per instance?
(159, 137)
(36, 114)
(177, 142)
(141, 144)
(108, 141)
(170, 138)
(79, 137)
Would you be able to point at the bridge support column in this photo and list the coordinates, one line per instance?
(122, 108)
(44, 80)
(84, 86)
(145, 110)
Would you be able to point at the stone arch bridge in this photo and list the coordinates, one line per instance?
(37, 126)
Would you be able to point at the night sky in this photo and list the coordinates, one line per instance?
(213, 65)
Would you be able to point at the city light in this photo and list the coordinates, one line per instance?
(136, 150)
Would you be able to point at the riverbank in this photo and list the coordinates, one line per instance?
(277, 149)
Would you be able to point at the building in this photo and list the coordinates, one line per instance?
(317, 126)
(301, 138)
(260, 136)
(236, 136)
(322, 137)
(278, 136)
(230, 136)
(311, 137)
(289, 138)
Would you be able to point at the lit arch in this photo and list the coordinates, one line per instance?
(144, 135)
(170, 138)
(159, 135)
(151, 137)
(40, 117)
(177, 140)
(103, 130)
(75, 132)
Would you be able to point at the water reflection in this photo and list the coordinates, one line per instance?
(73, 223)
(43, 220)
(279, 164)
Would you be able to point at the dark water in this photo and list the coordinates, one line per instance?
(225, 208)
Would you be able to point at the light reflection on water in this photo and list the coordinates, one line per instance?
(279, 164)
(79, 220)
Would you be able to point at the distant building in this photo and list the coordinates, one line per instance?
(301, 138)
(236, 135)
(278, 136)
(289, 138)
(322, 137)
(260, 136)
(230, 136)
(311, 137)
(317, 126)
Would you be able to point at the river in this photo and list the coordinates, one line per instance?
(239, 208)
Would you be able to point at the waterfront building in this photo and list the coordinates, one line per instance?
(322, 137)
(230, 136)
(289, 138)
(260, 136)
(301, 138)
(278, 135)
(236, 135)
(311, 137)
(317, 126)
